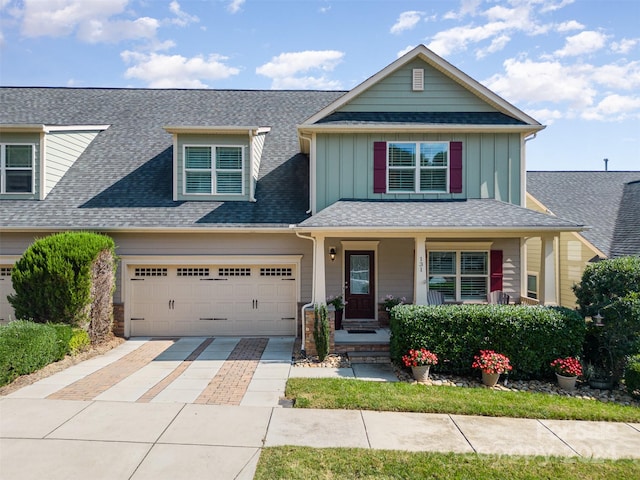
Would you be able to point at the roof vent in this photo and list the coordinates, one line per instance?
(418, 79)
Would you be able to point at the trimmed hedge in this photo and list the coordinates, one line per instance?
(67, 278)
(531, 337)
(26, 347)
(632, 376)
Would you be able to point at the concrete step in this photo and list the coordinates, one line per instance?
(369, 357)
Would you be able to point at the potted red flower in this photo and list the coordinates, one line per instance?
(420, 362)
(491, 364)
(567, 370)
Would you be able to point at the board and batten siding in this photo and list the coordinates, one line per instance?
(206, 140)
(490, 166)
(62, 150)
(31, 139)
(395, 94)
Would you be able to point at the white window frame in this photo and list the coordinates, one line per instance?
(4, 168)
(531, 293)
(458, 275)
(213, 170)
(418, 168)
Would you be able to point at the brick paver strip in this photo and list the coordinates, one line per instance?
(98, 382)
(232, 380)
(166, 381)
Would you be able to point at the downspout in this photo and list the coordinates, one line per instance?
(524, 260)
(313, 290)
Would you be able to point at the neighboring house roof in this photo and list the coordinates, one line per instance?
(447, 118)
(475, 214)
(124, 178)
(609, 202)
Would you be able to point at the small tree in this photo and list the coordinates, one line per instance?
(67, 278)
(321, 331)
(611, 289)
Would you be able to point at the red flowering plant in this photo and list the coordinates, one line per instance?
(491, 362)
(567, 367)
(420, 358)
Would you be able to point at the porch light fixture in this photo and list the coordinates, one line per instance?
(332, 253)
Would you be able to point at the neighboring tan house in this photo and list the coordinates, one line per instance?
(232, 209)
(608, 202)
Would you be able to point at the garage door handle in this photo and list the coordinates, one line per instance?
(207, 318)
(138, 318)
(288, 318)
(220, 318)
(288, 279)
(220, 279)
(137, 279)
(208, 279)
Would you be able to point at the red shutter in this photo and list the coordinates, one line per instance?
(496, 270)
(379, 167)
(455, 160)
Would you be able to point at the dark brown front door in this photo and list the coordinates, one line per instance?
(359, 285)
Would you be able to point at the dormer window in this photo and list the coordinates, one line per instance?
(16, 168)
(213, 169)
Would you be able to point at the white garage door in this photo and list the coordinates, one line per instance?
(6, 288)
(212, 300)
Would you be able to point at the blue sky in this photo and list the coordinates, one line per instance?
(572, 64)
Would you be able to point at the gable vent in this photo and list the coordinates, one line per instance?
(418, 79)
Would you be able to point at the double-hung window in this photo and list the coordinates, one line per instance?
(17, 168)
(418, 167)
(213, 169)
(460, 275)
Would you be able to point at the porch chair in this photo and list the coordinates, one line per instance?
(498, 297)
(435, 297)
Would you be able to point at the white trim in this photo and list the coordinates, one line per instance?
(458, 249)
(461, 246)
(127, 261)
(74, 128)
(214, 171)
(43, 167)
(9, 259)
(443, 66)
(226, 129)
(417, 168)
(419, 128)
(417, 80)
(175, 166)
(3, 167)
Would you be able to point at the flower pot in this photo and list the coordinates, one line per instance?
(338, 318)
(421, 373)
(490, 379)
(601, 383)
(566, 383)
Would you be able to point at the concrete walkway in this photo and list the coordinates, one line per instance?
(158, 429)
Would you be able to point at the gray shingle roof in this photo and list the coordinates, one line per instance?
(607, 201)
(448, 118)
(473, 213)
(124, 178)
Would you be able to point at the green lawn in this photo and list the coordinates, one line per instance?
(293, 463)
(349, 394)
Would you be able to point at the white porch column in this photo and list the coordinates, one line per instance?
(320, 288)
(548, 284)
(420, 272)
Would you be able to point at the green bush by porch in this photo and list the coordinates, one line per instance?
(530, 336)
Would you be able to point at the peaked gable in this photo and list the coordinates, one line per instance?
(442, 84)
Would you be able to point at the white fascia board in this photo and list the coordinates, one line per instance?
(224, 129)
(440, 64)
(75, 128)
(22, 128)
(443, 231)
(417, 128)
(154, 230)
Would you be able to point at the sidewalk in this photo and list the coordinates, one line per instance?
(136, 414)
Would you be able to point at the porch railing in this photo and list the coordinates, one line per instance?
(529, 301)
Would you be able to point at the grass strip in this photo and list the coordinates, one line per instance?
(293, 463)
(335, 393)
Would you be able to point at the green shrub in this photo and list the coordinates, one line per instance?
(54, 277)
(531, 337)
(63, 334)
(632, 376)
(321, 331)
(79, 341)
(25, 347)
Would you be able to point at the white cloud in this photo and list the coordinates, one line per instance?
(288, 70)
(542, 82)
(569, 26)
(1, 39)
(497, 44)
(176, 71)
(96, 31)
(584, 42)
(405, 50)
(625, 45)
(406, 21)
(467, 7)
(182, 18)
(551, 6)
(235, 6)
(545, 116)
(623, 76)
(614, 107)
